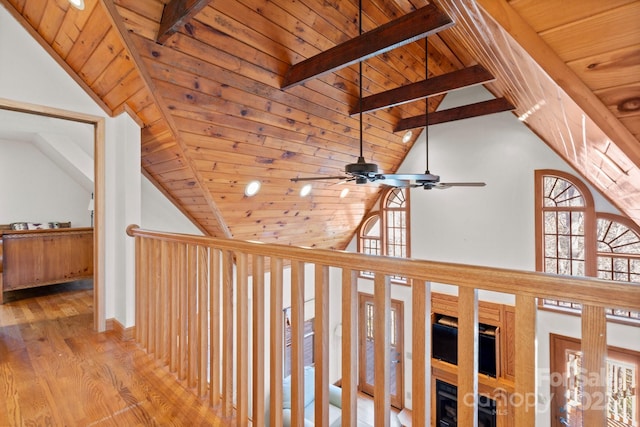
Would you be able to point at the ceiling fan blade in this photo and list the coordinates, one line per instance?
(318, 178)
(445, 185)
(411, 177)
(399, 183)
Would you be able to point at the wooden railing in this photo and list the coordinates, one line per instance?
(193, 313)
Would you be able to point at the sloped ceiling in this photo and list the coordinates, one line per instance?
(214, 116)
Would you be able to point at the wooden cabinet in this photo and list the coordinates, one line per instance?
(31, 258)
(498, 388)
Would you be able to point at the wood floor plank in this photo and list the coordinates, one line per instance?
(55, 370)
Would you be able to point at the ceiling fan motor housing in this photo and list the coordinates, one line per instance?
(361, 169)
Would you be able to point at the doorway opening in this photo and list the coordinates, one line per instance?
(98, 124)
(366, 349)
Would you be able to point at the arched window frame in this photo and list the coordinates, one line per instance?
(583, 213)
(394, 238)
(591, 256)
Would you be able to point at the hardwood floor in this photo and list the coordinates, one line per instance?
(366, 411)
(55, 371)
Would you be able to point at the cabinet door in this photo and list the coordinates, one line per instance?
(33, 259)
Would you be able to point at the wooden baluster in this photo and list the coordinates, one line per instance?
(594, 365)
(349, 347)
(227, 333)
(277, 342)
(184, 313)
(192, 289)
(174, 309)
(321, 350)
(259, 349)
(165, 268)
(203, 313)
(467, 356)
(153, 297)
(142, 298)
(297, 343)
(242, 336)
(382, 346)
(137, 249)
(214, 326)
(525, 361)
(421, 360)
(159, 303)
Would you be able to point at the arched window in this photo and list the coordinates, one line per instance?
(573, 239)
(618, 249)
(386, 232)
(369, 236)
(618, 254)
(395, 209)
(566, 212)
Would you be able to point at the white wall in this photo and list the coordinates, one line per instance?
(34, 189)
(492, 225)
(29, 75)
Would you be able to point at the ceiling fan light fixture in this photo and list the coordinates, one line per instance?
(252, 188)
(361, 167)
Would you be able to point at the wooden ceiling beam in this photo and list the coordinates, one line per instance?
(176, 13)
(399, 32)
(477, 109)
(429, 87)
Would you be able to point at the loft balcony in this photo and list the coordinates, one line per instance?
(211, 310)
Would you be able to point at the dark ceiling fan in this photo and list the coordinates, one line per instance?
(362, 172)
(433, 183)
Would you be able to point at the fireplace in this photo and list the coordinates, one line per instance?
(447, 407)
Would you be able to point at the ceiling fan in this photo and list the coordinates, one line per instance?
(362, 172)
(433, 183)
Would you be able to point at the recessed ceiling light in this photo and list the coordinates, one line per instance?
(252, 188)
(78, 4)
(304, 192)
(344, 193)
(407, 136)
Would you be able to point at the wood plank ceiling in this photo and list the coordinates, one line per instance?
(214, 116)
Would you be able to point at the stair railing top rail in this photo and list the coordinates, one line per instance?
(584, 290)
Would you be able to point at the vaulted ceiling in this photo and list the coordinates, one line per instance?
(213, 86)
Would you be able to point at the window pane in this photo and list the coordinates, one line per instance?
(559, 192)
(564, 223)
(564, 267)
(577, 268)
(577, 223)
(616, 237)
(577, 247)
(551, 265)
(551, 246)
(372, 227)
(606, 275)
(605, 263)
(550, 219)
(564, 247)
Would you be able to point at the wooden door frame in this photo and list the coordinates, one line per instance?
(362, 297)
(98, 123)
(557, 344)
